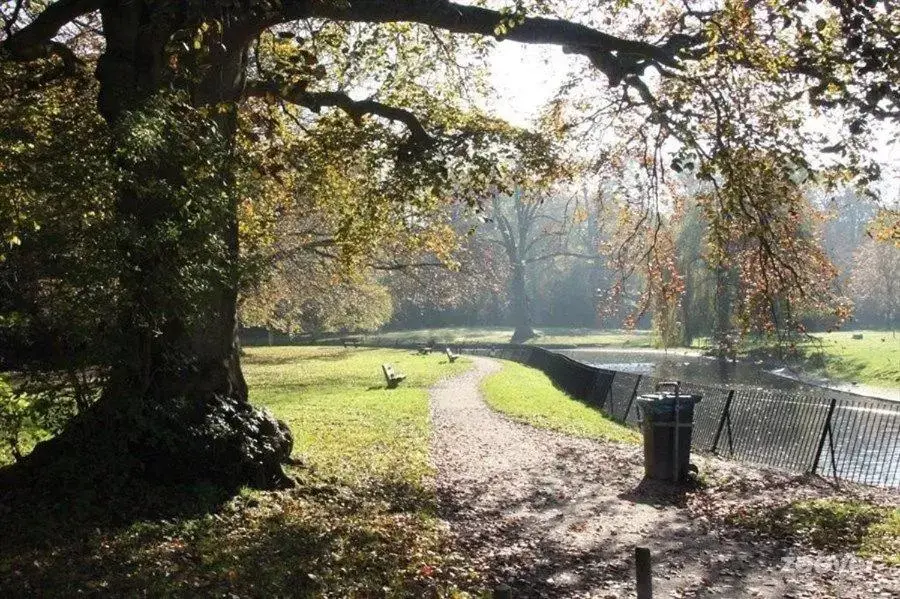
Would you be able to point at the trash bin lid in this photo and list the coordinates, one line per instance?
(668, 397)
(663, 405)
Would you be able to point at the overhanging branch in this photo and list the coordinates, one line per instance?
(315, 101)
(615, 56)
(389, 266)
(35, 40)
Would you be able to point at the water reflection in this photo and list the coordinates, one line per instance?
(774, 428)
(699, 369)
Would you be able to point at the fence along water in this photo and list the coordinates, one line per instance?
(838, 434)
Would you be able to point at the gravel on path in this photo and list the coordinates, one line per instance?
(557, 516)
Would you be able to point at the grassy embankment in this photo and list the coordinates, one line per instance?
(527, 395)
(873, 360)
(360, 524)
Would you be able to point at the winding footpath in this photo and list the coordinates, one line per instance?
(556, 516)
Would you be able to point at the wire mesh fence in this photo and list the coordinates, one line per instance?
(835, 434)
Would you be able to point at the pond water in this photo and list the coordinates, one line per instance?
(864, 445)
(697, 369)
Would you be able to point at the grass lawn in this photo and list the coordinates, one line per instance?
(345, 422)
(361, 523)
(527, 395)
(873, 360)
(549, 336)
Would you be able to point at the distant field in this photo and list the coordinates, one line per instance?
(872, 360)
(548, 336)
(528, 395)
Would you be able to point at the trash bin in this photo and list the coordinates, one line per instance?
(667, 422)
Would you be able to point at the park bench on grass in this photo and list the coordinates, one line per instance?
(450, 355)
(350, 341)
(393, 379)
(424, 350)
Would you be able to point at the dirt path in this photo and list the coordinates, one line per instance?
(556, 516)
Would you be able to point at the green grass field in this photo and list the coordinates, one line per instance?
(361, 523)
(527, 395)
(548, 336)
(345, 422)
(873, 360)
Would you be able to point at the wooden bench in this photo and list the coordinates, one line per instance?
(424, 350)
(348, 341)
(450, 355)
(393, 379)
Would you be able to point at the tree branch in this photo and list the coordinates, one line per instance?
(385, 266)
(615, 56)
(561, 255)
(315, 101)
(35, 40)
(8, 26)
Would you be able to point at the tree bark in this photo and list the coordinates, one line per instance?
(176, 406)
(521, 310)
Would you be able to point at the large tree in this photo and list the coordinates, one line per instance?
(533, 229)
(174, 78)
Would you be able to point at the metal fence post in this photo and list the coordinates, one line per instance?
(826, 430)
(608, 395)
(595, 389)
(725, 414)
(633, 395)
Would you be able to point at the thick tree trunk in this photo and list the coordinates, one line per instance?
(176, 406)
(521, 310)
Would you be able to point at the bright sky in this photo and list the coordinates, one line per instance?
(527, 76)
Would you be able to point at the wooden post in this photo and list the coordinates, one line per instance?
(643, 574)
(502, 592)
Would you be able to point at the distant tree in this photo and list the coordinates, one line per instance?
(532, 229)
(875, 283)
(701, 297)
(467, 289)
(844, 231)
(565, 288)
(315, 299)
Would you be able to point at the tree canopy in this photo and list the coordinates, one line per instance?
(222, 129)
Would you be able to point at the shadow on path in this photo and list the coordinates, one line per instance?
(556, 516)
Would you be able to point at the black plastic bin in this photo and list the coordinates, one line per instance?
(667, 423)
